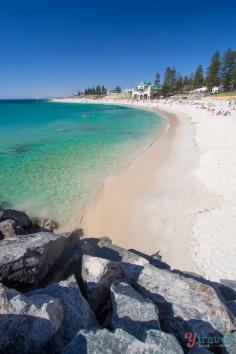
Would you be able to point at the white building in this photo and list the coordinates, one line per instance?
(201, 89)
(144, 91)
(215, 89)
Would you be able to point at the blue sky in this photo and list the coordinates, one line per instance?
(53, 48)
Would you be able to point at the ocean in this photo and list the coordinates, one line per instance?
(55, 157)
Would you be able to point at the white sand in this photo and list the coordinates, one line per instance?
(179, 196)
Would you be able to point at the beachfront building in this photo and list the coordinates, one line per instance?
(144, 91)
(215, 89)
(127, 92)
(201, 90)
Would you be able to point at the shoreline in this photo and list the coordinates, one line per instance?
(141, 187)
(168, 202)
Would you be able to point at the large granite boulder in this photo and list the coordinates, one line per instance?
(27, 323)
(19, 217)
(8, 228)
(25, 260)
(106, 249)
(98, 275)
(105, 342)
(229, 342)
(184, 304)
(77, 312)
(131, 311)
(115, 253)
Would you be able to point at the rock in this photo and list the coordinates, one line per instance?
(115, 253)
(229, 341)
(132, 312)
(155, 259)
(20, 217)
(228, 289)
(8, 228)
(77, 313)
(184, 304)
(232, 306)
(27, 323)
(105, 342)
(98, 274)
(45, 224)
(25, 260)
(69, 262)
(165, 343)
(104, 242)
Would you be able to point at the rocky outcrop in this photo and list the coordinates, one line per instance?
(19, 217)
(8, 228)
(106, 342)
(132, 312)
(91, 296)
(77, 312)
(185, 304)
(25, 260)
(98, 275)
(27, 323)
(45, 224)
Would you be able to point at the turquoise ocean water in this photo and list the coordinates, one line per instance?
(55, 157)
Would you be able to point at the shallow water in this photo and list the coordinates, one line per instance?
(55, 157)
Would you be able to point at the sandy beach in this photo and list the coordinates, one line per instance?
(179, 195)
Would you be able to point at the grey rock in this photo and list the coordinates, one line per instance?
(184, 304)
(155, 260)
(116, 253)
(104, 242)
(20, 217)
(165, 343)
(8, 228)
(98, 275)
(229, 341)
(228, 289)
(26, 260)
(27, 323)
(232, 306)
(77, 312)
(105, 342)
(131, 311)
(69, 262)
(46, 224)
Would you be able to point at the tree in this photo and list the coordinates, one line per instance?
(179, 83)
(198, 77)
(228, 65)
(191, 81)
(157, 81)
(213, 71)
(169, 82)
(117, 89)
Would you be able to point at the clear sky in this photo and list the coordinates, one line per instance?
(55, 47)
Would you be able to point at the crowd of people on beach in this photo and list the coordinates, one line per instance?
(221, 109)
